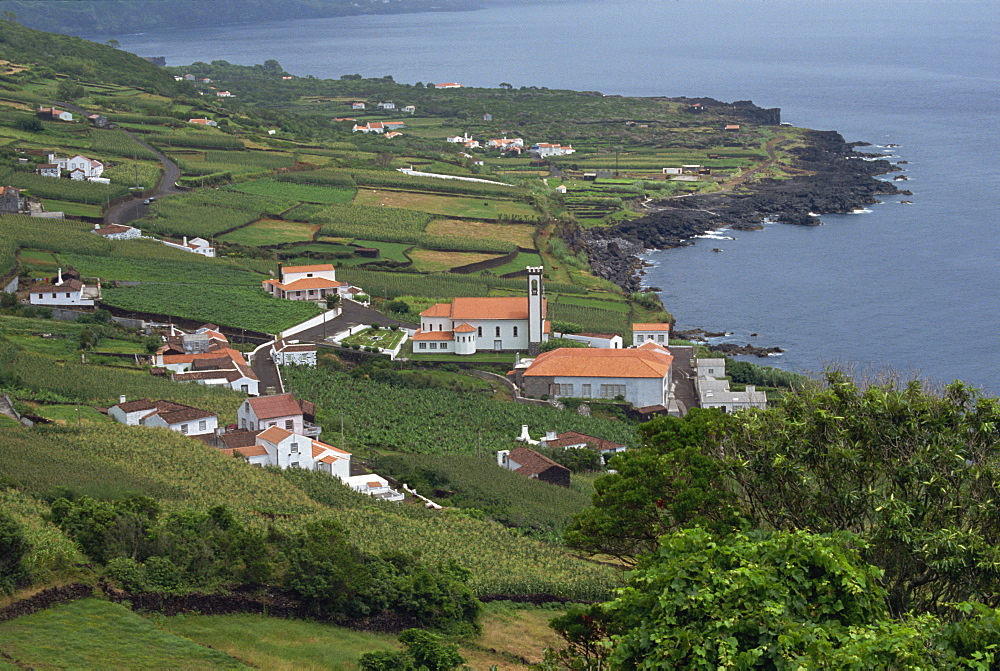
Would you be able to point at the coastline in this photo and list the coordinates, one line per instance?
(837, 179)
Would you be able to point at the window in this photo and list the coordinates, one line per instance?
(184, 428)
(439, 327)
(434, 345)
(479, 331)
(534, 287)
(294, 464)
(585, 391)
(295, 447)
(251, 426)
(639, 338)
(515, 331)
(245, 388)
(659, 338)
(270, 424)
(422, 345)
(289, 424)
(561, 389)
(612, 390)
(53, 295)
(498, 332)
(202, 425)
(67, 294)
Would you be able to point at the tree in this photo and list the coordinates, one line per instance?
(665, 485)
(114, 44)
(505, 85)
(424, 652)
(69, 90)
(332, 301)
(770, 600)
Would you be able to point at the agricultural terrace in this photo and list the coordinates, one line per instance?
(209, 213)
(269, 232)
(522, 235)
(304, 193)
(428, 261)
(182, 474)
(447, 206)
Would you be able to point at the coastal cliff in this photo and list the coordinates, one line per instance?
(835, 179)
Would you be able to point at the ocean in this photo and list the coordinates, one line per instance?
(913, 288)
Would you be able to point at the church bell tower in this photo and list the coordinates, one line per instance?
(536, 312)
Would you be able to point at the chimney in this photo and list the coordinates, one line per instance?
(524, 437)
(551, 435)
(502, 457)
(97, 226)
(185, 241)
(121, 399)
(751, 388)
(59, 283)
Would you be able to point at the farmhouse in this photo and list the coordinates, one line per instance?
(468, 325)
(280, 410)
(99, 120)
(505, 143)
(544, 149)
(194, 245)
(79, 166)
(571, 440)
(392, 134)
(307, 283)
(203, 122)
(117, 232)
(604, 340)
(275, 446)
(640, 376)
(293, 353)
(208, 360)
(64, 293)
(410, 108)
(224, 94)
(54, 114)
(532, 465)
(386, 106)
(48, 170)
(357, 106)
(174, 416)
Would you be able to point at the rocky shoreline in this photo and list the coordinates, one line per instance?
(842, 180)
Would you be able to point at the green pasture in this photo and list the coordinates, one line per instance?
(269, 232)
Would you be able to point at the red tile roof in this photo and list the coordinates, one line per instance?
(591, 362)
(532, 463)
(279, 405)
(573, 438)
(249, 451)
(433, 335)
(650, 327)
(274, 434)
(464, 309)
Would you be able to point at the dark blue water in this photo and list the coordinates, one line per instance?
(911, 287)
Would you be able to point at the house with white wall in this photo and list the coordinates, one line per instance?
(293, 353)
(220, 365)
(546, 149)
(714, 392)
(498, 324)
(194, 245)
(505, 143)
(117, 232)
(603, 340)
(67, 293)
(79, 167)
(307, 283)
(48, 170)
(658, 333)
(641, 376)
(280, 410)
(177, 417)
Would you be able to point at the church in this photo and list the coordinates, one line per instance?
(494, 324)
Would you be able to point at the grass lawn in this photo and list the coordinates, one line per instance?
(67, 414)
(273, 643)
(429, 261)
(485, 207)
(38, 258)
(71, 209)
(306, 193)
(593, 303)
(387, 250)
(95, 634)
(271, 232)
(520, 262)
(512, 632)
(521, 235)
(383, 338)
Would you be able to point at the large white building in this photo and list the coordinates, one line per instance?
(79, 166)
(640, 376)
(545, 149)
(497, 324)
(65, 293)
(307, 283)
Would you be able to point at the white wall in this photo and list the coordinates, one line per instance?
(639, 392)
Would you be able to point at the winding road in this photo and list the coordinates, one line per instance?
(130, 210)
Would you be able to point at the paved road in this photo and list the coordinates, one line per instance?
(131, 210)
(352, 315)
(263, 365)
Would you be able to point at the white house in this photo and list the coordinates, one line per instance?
(225, 94)
(641, 376)
(285, 449)
(117, 232)
(386, 106)
(55, 114)
(715, 393)
(561, 188)
(658, 333)
(64, 293)
(194, 245)
(293, 353)
(602, 340)
(221, 365)
(373, 485)
(280, 410)
(410, 108)
(307, 283)
(458, 139)
(164, 414)
(203, 122)
(468, 325)
(505, 143)
(543, 149)
(79, 166)
(48, 170)
(673, 171)
(357, 106)
(391, 134)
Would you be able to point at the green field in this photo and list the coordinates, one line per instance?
(99, 634)
(301, 192)
(268, 232)
(383, 338)
(71, 209)
(489, 207)
(520, 262)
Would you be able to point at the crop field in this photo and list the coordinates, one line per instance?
(391, 179)
(118, 266)
(235, 162)
(301, 192)
(55, 235)
(335, 178)
(591, 319)
(448, 206)
(198, 139)
(593, 303)
(38, 259)
(267, 232)
(240, 307)
(208, 213)
(520, 262)
(428, 261)
(521, 235)
(383, 417)
(110, 459)
(101, 385)
(387, 250)
(126, 173)
(77, 191)
(442, 286)
(383, 338)
(377, 220)
(71, 209)
(118, 143)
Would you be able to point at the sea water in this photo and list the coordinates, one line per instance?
(915, 288)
